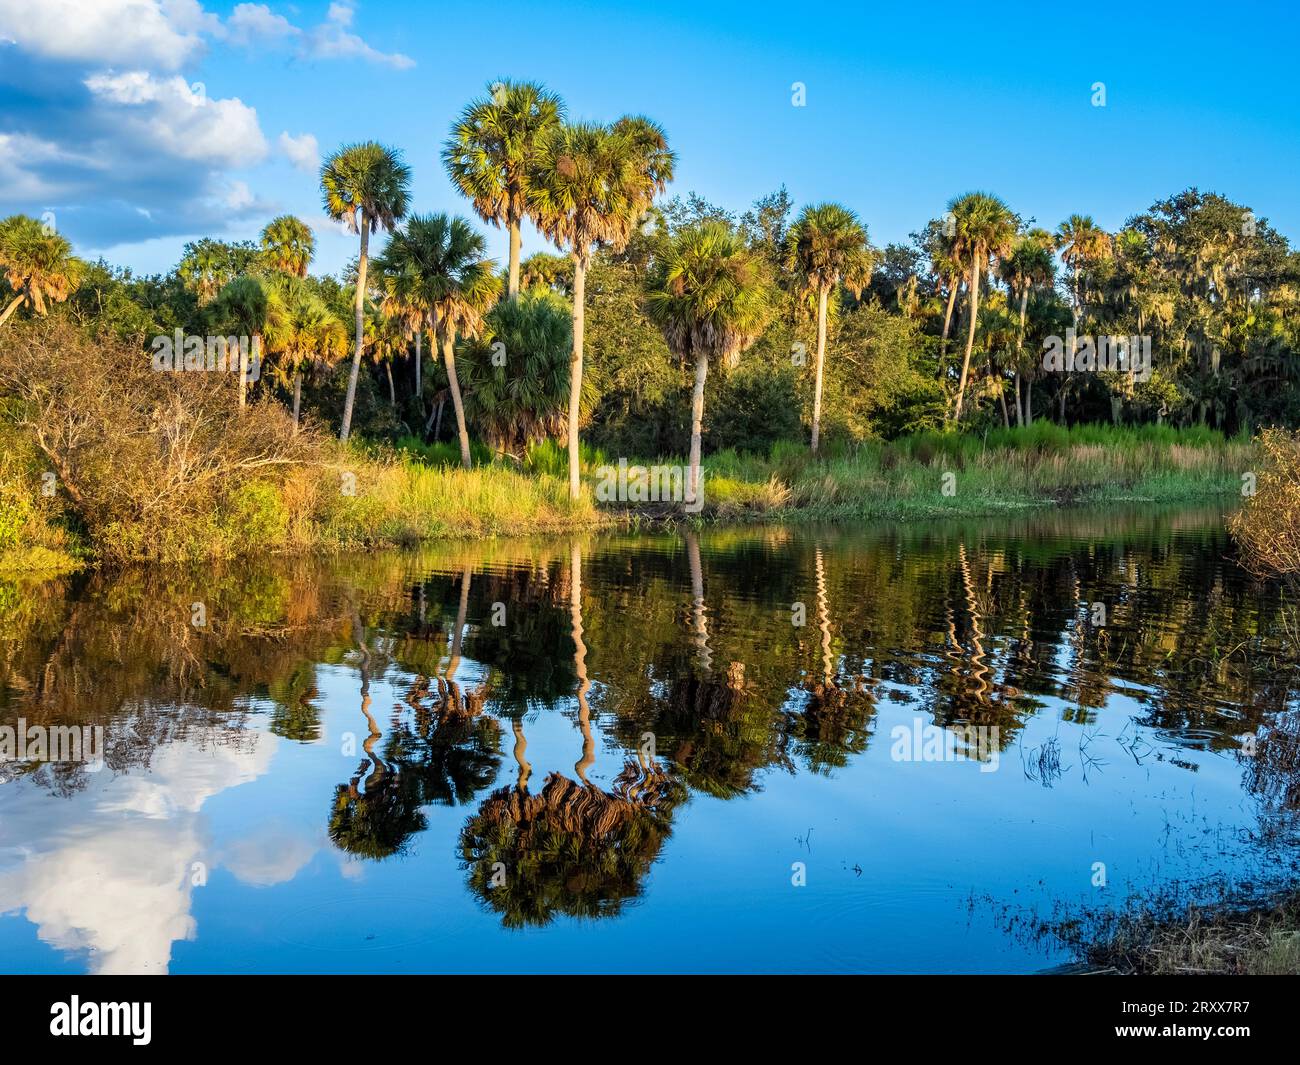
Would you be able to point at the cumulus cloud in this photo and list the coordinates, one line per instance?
(107, 872)
(164, 35)
(258, 24)
(101, 126)
(303, 151)
(332, 40)
(180, 119)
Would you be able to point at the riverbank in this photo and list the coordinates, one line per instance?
(327, 497)
(1240, 938)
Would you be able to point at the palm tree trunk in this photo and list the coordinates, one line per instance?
(512, 285)
(580, 662)
(699, 616)
(1002, 394)
(1020, 412)
(821, 359)
(297, 396)
(947, 324)
(575, 368)
(346, 430)
(1029, 401)
(697, 427)
(13, 306)
(1020, 350)
(970, 333)
(458, 637)
(392, 391)
(449, 360)
(419, 363)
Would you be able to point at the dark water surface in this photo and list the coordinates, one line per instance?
(626, 754)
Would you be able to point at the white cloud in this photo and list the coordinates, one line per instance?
(331, 40)
(164, 35)
(257, 23)
(180, 121)
(107, 871)
(303, 151)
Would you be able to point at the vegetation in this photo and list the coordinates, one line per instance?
(654, 290)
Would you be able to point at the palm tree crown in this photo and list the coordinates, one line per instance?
(288, 245)
(827, 246)
(37, 264)
(491, 148)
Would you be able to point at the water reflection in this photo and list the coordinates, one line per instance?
(690, 667)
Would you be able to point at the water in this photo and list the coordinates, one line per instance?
(289, 788)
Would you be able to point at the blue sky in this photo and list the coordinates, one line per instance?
(140, 124)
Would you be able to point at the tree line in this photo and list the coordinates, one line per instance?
(844, 340)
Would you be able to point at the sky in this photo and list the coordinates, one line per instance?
(134, 126)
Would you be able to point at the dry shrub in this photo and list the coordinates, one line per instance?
(155, 465)
(1267, 528)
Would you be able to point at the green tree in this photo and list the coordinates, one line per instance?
(440, 262)
(38, 265)
(710, 295)
(305, 333)
(365, 186)
(244, 307)
(288, 245)
(984, 228)
(827, 247)
(589, 185)
(490, 150)
(516, 372)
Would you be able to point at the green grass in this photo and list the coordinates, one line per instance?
(937, 474)
(419, 492)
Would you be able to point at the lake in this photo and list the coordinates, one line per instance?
(756, 749)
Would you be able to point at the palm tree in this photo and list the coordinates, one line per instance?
(288, 245)
(37, 264)
(245, 306)
(542, 270)
(1081, 242)
(208, 265)
(710, 296)
(525, 399)
(305, 333)
(985, 228)
(366, 186)
(1029, 265)
(440, 263)
(589, 185)
(489, 152)
(827, 246)
(386, 337)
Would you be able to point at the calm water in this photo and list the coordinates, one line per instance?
(626, 754)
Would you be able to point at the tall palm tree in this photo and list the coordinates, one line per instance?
(489, 152)
(827, 247)
(288, 245)
(1081, 241)
(710, 296)
(1030, 265)
(386, 338)
(984, 228)
(404, 299)
(245, 306)
(37, 264)
(367, 187)
(589, 184)
(306, 332)
(441, 263)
